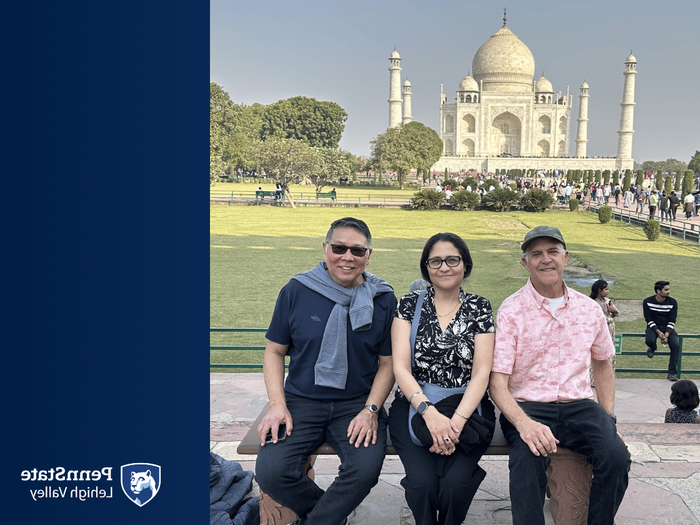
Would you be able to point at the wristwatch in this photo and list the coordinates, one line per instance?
(614, 418)
(423, 407)
(372, 408)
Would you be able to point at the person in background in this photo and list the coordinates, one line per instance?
(673, 202)
(660, 314)
(688, 203)
(599, 293)
(653, 201)
(685, 401)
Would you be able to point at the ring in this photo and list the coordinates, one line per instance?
(538, 443)
(447, 440)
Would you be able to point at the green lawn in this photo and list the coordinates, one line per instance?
(255, 250)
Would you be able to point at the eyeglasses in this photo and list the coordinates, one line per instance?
(435, 263)
(341, 249)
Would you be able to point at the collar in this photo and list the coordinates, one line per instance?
(540, 299)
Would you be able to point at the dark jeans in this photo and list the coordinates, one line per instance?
(584, 427)
(652, 211)
(436, 495)
(673, 345)
(278, 468)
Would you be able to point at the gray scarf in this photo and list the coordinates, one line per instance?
(331, 368)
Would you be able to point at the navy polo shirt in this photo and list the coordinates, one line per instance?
(299, 321)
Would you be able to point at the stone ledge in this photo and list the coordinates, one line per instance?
(660, 433)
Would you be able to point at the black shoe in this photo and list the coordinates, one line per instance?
(672, 377)
(650, 352)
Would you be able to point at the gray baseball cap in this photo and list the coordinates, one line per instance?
(542, 231)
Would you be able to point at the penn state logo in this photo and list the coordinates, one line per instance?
(140, 482)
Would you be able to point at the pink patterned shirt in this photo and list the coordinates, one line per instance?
(546, 356)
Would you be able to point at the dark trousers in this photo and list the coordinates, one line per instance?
(435, 495)
(278, 468)
(584, 427)
(652, 212)
(673, 345)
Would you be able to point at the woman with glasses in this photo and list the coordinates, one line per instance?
(454, 337)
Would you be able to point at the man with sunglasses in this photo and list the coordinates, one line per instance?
(334, 324)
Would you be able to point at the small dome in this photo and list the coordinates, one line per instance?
(631, 58)
(584, 85)
(394, 54)
(468, 84)
(406, 83)
(543, 85)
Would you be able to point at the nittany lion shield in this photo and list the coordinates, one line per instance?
(140, 482)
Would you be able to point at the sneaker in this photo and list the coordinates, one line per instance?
(650, 352)
(672, 377)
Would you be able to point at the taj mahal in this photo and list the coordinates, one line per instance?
(502, 118)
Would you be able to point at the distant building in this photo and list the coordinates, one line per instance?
(504, 119)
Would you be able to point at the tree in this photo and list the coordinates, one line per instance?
(694, 163)
(675, 166)
(221, 121)
(404, 148)
(640, 178)
(668, 184)
(333, 164)
(284, 160)
(659, 180)
(687, 183)
(627, 181)
(501, 199)
(319, 123)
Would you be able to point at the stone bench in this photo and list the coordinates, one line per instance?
(569, 477)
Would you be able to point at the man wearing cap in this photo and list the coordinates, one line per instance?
(547, 335)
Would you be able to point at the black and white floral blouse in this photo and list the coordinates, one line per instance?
(446, 357)
(679, 415)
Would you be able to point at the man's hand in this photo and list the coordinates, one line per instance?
(363, 428)
(275, 417)
(538, 437)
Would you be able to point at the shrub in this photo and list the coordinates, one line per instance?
(536, 201)
(652, 229)
(452, 182)
(604, 214)
(490, 182)
(463, 200)
(470, 181)
(501, 199)
(427, 199)
(573, 204)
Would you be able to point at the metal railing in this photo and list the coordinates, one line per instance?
(679, 228)
(681, 337)
(618, 351)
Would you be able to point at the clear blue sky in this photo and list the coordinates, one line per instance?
(338, 51)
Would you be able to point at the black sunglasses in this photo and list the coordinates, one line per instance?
(341, 249)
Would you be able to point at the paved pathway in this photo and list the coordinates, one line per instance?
(664, 479)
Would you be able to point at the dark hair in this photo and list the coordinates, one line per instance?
(599, 285)
(684, 394)
(350, 222)
(457, 242)
(659, 285)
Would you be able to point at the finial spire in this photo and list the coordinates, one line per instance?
(504, 17)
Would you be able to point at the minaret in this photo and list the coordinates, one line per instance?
(394, 89)
(582, 139)
(407, 117)
(624, 141)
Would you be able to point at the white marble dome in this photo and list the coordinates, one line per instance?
(631, 58)
(504, 63)
(394, 54)
(543, 85)
(468, 84)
